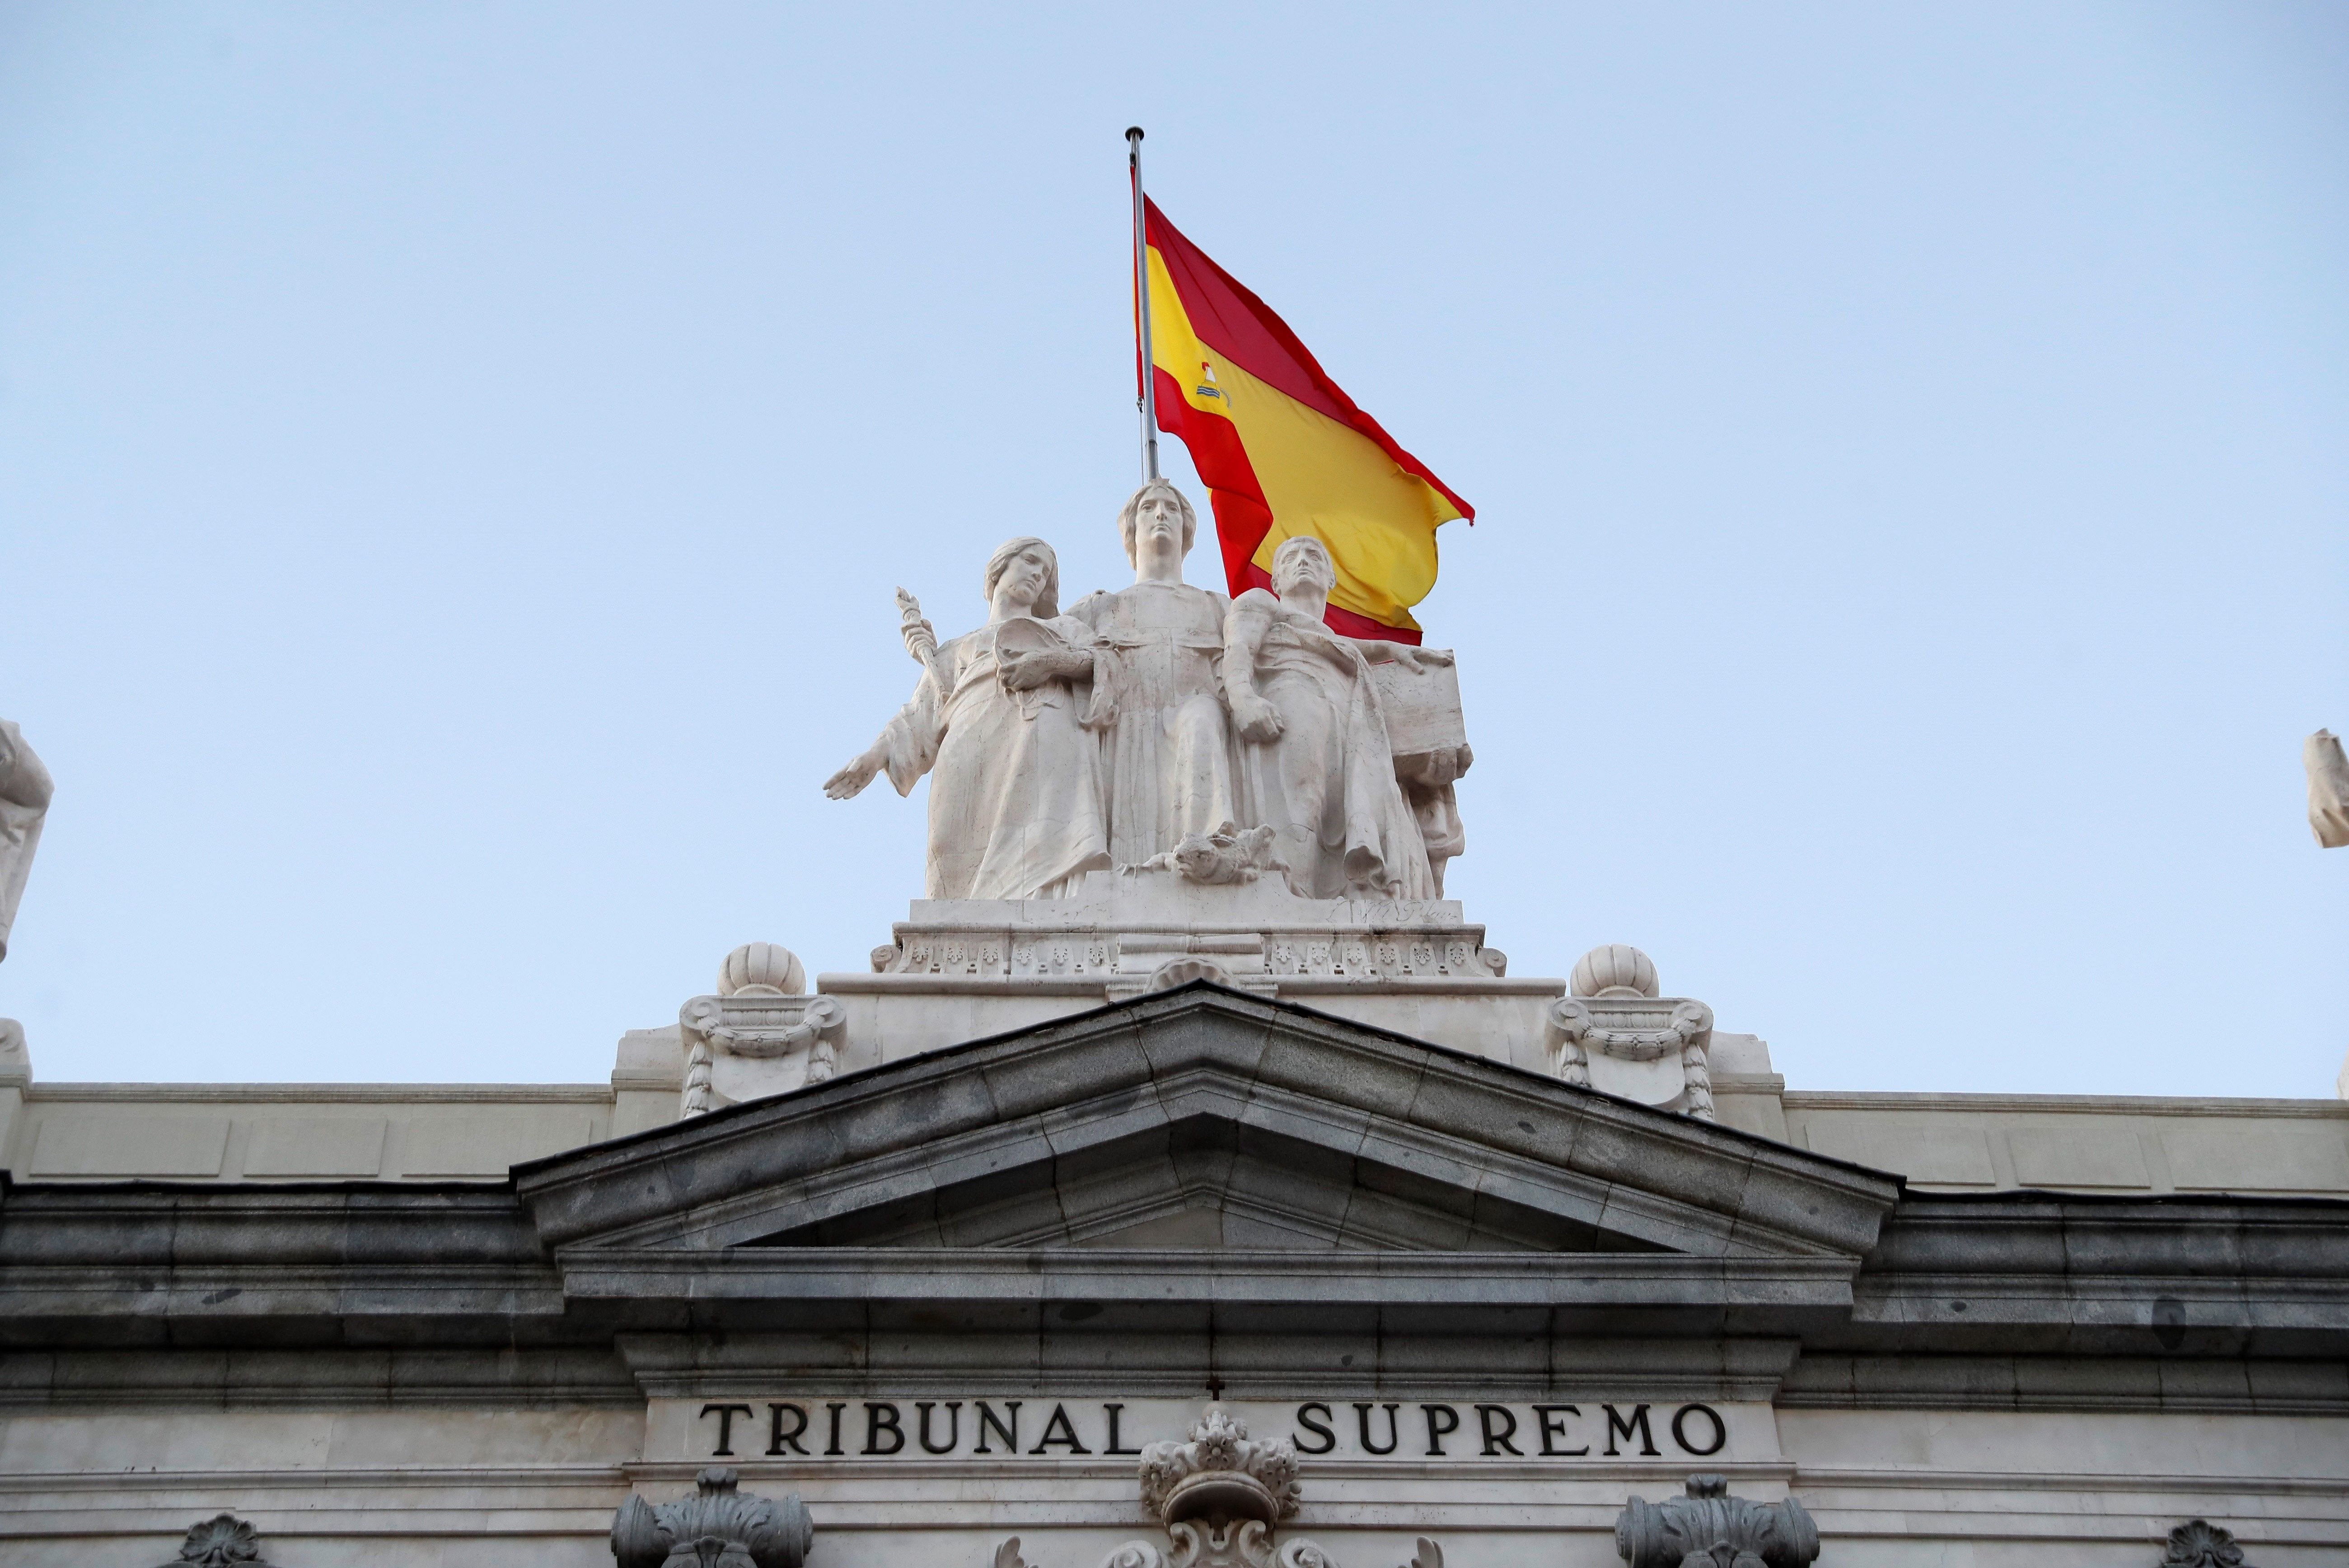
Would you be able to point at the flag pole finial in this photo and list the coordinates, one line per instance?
(1148, 400)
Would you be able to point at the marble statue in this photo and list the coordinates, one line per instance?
(2328, 791)
(997, 721)
(1166, 728)
(1315, 765)
(1428, 779)
(1166, 750)
(24, 788)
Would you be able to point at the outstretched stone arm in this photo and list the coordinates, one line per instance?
(906, 748)
(1025, 670)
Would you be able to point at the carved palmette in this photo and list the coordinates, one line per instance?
(222, 1541)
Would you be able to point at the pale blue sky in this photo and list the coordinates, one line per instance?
(454, 461)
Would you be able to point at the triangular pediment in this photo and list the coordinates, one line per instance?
(1198, 1122)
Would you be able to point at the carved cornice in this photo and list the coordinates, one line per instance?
(1202, 1058)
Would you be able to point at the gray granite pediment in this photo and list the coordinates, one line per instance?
(1198, 1122)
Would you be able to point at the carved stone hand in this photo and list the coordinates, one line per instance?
(861, 771)
(1258, 719)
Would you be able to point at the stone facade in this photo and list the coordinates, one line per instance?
(1221, 1202)
(957, 1298)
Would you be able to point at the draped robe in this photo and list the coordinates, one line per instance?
(1015, 779)
(1166, 749)
(1326, 785)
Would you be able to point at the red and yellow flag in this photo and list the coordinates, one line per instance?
(1283, 450)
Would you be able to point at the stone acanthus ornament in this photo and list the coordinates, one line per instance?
(759, 1016)
(1711, 1528)
(222, 1541)
(718, 1527)
(24, 790)
(2328, 790)
(2199, 1544)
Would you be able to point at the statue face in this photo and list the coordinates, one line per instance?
(1022, 577)
(1299, 565)
(1158, 521)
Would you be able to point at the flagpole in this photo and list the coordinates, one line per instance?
(1148, 399)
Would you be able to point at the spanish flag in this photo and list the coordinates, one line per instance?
(1283, 450)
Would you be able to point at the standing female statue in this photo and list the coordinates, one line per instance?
(1015, 778)
(1167, 749)
(24, 787)
(1315, 765)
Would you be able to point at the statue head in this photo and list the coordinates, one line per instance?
(1303, 560)
(1028, 555)
(1155, 506)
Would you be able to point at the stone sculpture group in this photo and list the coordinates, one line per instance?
(1165, 725)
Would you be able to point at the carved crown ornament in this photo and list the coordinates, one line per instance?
(1221, 1496)
(1711, 1528)
(719, 1526)
(1221, 1472)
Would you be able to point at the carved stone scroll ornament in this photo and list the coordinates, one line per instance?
(718, 1527)
(222, 1541)
(1711, 1528)
(2199, 1544)
(759, 1029)
(1635, 1031)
